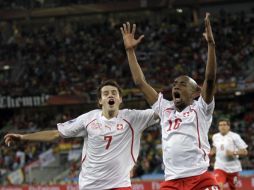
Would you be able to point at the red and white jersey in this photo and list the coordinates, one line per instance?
(233, 142)
(184, 137)
(112, 146)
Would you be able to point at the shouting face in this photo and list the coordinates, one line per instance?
(184, 91)
(110, 98)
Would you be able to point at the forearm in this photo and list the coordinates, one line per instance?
(241, 152)
(44, 136)
(213, 151)
(150, 94)
(211, 67)
(137, 73)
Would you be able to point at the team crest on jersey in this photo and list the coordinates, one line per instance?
(119, 126)
(95, 125)
(186, 114)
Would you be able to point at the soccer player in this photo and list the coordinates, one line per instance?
(185, 122)
(227, 146)
(113, 139)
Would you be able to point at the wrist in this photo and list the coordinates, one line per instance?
(129, 49)
(211, 44)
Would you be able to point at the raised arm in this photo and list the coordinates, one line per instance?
(130, 43)
(44, 136)
(208, 89)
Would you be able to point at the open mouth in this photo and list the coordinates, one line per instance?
(111, 102)
(177, 96)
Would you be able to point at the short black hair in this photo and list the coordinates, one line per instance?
(224, 119)
(108, 83)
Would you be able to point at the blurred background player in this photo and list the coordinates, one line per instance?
(228, 147)
(185, 122)
(113, 139)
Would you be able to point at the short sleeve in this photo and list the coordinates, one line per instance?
(73, 128)
(141, 119)
(239, 143)
(207, 109)
(160, 105)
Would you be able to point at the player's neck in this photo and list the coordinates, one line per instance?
(181, 107)
(224, 134)
(110, 114)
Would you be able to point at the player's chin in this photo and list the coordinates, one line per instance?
(177, 102)
(112, 107)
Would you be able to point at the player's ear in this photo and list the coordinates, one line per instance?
(196, 92)
(100, 102)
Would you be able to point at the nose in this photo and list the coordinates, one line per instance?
(111, 95)
(176, 87)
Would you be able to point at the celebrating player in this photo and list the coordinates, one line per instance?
(113, 139)
(227, 146)
(185, 122)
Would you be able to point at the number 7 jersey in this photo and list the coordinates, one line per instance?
(112, 146)
(184, 137)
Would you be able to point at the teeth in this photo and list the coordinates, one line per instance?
(178, 99)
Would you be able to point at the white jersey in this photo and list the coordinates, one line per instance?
(184, 137)
(112, 146)
(233, 142)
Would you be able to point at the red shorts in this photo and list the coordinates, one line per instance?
(224, 177)
(204, 181)
(122, 188)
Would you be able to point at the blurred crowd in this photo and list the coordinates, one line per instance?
(68, 57)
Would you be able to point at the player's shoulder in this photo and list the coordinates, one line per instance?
(216, 135)
(163, 100)
(200, 101)
(90, 114)
(233, 134)
(130, 113)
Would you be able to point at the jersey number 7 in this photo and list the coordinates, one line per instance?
(109, 139)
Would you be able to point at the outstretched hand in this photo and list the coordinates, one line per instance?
(128, 33)
(11, 138)
(208, 31)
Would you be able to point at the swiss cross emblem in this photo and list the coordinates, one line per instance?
(186, 114)
(119, 126)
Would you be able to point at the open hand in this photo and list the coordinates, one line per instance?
(208, 31)
(128, 33)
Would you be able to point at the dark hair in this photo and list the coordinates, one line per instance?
(108, 83)
(224, 119)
